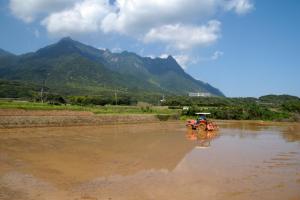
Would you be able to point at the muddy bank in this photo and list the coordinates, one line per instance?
(10, 118)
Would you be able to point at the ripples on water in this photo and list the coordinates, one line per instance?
(243, 160)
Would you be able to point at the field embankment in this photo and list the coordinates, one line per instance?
(38, 118)
(28, 114)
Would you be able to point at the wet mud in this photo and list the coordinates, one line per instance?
(243, 160)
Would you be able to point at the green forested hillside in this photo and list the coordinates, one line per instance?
(16, 89)
(72, 68)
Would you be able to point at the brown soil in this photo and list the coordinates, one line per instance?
(23, 118)
(20, 112)
(153, 161)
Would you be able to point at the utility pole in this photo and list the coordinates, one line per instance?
(42, 91)
(116, 97)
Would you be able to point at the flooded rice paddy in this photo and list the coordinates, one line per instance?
(161, 161)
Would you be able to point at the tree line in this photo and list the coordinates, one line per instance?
(268, 107)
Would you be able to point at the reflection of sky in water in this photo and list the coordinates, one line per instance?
(161, 162)
(251, 164)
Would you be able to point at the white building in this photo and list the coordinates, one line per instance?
(199, 94)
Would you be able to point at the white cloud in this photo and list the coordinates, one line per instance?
(150, 56)
(164, 55)
(130, 16)
(84, 17)
(216, 55)
(116, 50)
(137, 16)
(239, 6)
(177, 24)
(101, 48)
(183, 60)
(184, 37)
(27, 10)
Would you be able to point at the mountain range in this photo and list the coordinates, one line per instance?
(71, 68)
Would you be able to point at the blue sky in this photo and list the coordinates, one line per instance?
(242, 47)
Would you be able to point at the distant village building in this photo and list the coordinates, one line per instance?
(185, 108)
(199, 94)
(163, 99)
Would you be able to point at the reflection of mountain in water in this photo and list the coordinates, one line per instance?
(147, 150)
(174, 178)
(234, 165)
(86, 152)
(248, 125)
(291, 133)
(149, 161)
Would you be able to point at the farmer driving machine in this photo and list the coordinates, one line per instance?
(201, 123)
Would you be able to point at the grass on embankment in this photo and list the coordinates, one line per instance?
(108, 109)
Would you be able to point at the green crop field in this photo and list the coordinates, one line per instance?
(107, 109)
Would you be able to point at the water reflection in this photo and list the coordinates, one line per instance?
(291, 132)
(250, 125)
(203, 138)
(151, 161)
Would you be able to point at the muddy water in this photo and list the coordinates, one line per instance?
(243, 160)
